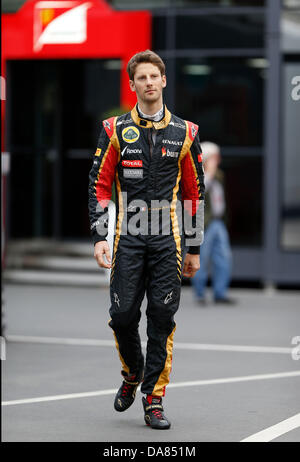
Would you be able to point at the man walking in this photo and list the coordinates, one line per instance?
(216, 247)
(154, 160)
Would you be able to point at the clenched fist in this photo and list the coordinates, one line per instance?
(101, 249)
(191, 265)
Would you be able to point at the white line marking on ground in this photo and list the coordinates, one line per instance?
(59, 340)
(177, 345)
(275, 431)
(194, 383)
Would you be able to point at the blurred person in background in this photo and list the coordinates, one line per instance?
(216, 246)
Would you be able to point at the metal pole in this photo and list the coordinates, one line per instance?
(171, 63)
(271, 197)
(57, 166)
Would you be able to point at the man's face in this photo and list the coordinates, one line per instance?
(148, 83)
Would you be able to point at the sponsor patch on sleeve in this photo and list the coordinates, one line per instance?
(193, 129)
(108, 125)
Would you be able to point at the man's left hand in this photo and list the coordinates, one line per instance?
(191, 265)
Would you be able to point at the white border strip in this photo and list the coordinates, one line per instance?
(194, 383)
(177, 345)
(275, 431)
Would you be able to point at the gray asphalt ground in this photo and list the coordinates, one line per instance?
(222, 411)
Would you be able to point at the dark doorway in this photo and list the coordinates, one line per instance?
(54, 112)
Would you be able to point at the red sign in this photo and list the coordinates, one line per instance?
(59, 22)
(45, 29)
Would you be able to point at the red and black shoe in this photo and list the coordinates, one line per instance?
(154, 416)
(126, 393)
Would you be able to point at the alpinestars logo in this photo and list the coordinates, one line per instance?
(117, 300)
(168, 297)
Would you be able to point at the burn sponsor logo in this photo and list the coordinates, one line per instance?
(130, 134)
(98, 152)
(132, 163)
(199, 158)
(166, 152)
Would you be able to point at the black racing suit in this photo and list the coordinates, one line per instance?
(143, 260)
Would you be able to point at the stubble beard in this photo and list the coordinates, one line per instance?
(151, 98)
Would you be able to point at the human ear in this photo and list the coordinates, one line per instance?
(132, 85)
(164, 81)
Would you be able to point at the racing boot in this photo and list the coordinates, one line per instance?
(126, 393)
(154, 416)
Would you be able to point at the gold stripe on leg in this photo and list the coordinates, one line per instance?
(163, 380)
(124, 365)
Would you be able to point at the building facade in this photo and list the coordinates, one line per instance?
(233, 67)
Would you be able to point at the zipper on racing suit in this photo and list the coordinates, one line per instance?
(151, 152)
(150, 141)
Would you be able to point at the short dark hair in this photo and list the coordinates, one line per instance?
(146, 56)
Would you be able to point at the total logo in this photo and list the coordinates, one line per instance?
(132, 163)
(166, 152)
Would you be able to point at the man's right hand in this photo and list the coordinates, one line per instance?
(102, 248)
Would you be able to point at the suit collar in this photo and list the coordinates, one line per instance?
(145, 123)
